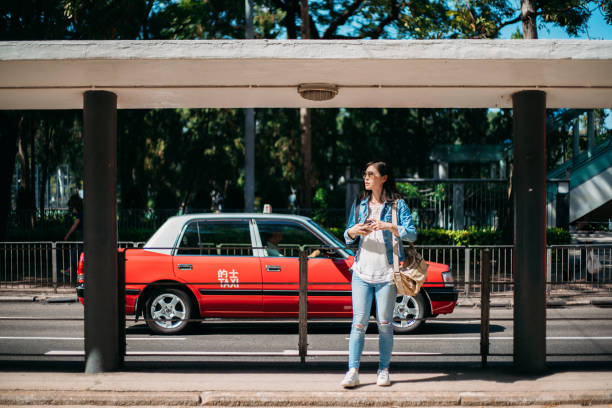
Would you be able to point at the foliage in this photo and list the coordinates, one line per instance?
(135, 234)
(472, 236)
(177, 157)
(558, 236)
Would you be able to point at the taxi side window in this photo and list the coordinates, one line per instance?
(286, 238)
(216, 238)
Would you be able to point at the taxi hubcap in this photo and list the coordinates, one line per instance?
(168, 310)
(405, 312)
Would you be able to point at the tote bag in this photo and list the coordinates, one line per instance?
(412, 274)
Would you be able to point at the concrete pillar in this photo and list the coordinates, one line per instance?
(458, 206)
(104, 308)
(529, 266)
(443, 170)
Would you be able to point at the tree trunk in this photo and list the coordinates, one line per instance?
(249, 129)
(305, 28)
(44, 167)
(8, 150)
(25, 149)
(306, 157)
(528, 17)
(305, 125)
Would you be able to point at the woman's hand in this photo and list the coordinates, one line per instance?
(378, 225)
(361, 229)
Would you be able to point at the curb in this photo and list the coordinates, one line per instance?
(605, 302)
(39, 298)
(551, 303)
(113, 398)
(278, 399)
(17, 298)
(60, 299)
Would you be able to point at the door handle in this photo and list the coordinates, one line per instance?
(273, 268)
(185, 267)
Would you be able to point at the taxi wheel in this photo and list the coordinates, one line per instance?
(408, 313)
(167, 311)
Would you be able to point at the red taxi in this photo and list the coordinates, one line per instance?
(247, 266)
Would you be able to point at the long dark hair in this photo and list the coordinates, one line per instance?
(389, 190)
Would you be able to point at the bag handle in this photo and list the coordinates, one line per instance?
(395, 240)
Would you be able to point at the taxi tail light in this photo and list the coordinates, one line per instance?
(80, 272)
(447, 278)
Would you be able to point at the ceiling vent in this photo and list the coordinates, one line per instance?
(318, 92)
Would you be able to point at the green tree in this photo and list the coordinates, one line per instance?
(167, 157)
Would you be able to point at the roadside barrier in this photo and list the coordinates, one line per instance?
(43, 264)
(48, 264)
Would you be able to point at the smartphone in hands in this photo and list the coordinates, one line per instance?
(370, 224)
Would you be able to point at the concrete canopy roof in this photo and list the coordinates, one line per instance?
(266, 73)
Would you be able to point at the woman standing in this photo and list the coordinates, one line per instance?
(371, 226)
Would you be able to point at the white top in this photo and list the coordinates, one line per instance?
(372, 265)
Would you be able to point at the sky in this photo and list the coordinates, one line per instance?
(597, 29)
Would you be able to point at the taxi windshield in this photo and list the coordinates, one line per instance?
(337, 243)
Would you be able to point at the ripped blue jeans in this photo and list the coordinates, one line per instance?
(363, 293)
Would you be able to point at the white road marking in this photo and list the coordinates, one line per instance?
(242, 353)
(65, 353)
(181, 353)
(490, 338)
(39, 338)
(82, 338)
(456, 321)
(365, 353)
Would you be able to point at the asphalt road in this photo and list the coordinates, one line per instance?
(269, 340)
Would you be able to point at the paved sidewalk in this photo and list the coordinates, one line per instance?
(309, 386)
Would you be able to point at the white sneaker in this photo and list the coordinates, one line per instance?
(382, 378)
(351, 379)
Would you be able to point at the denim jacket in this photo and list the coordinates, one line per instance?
(405, 226)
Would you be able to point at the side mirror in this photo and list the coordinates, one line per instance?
(330, 252)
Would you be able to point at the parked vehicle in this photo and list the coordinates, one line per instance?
(247, 266)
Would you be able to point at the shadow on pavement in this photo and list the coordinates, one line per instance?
(341, 327)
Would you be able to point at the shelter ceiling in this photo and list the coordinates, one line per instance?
(261, 73)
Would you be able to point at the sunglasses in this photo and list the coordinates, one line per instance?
(369, 174)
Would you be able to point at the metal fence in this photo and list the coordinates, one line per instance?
(42, 264)
(451, 203)
(569, 267)
(461, 202)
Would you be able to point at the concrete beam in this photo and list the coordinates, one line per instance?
(266, 73)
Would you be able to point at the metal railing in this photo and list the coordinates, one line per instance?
(42, 264)
(569, 267)
(451, 203)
